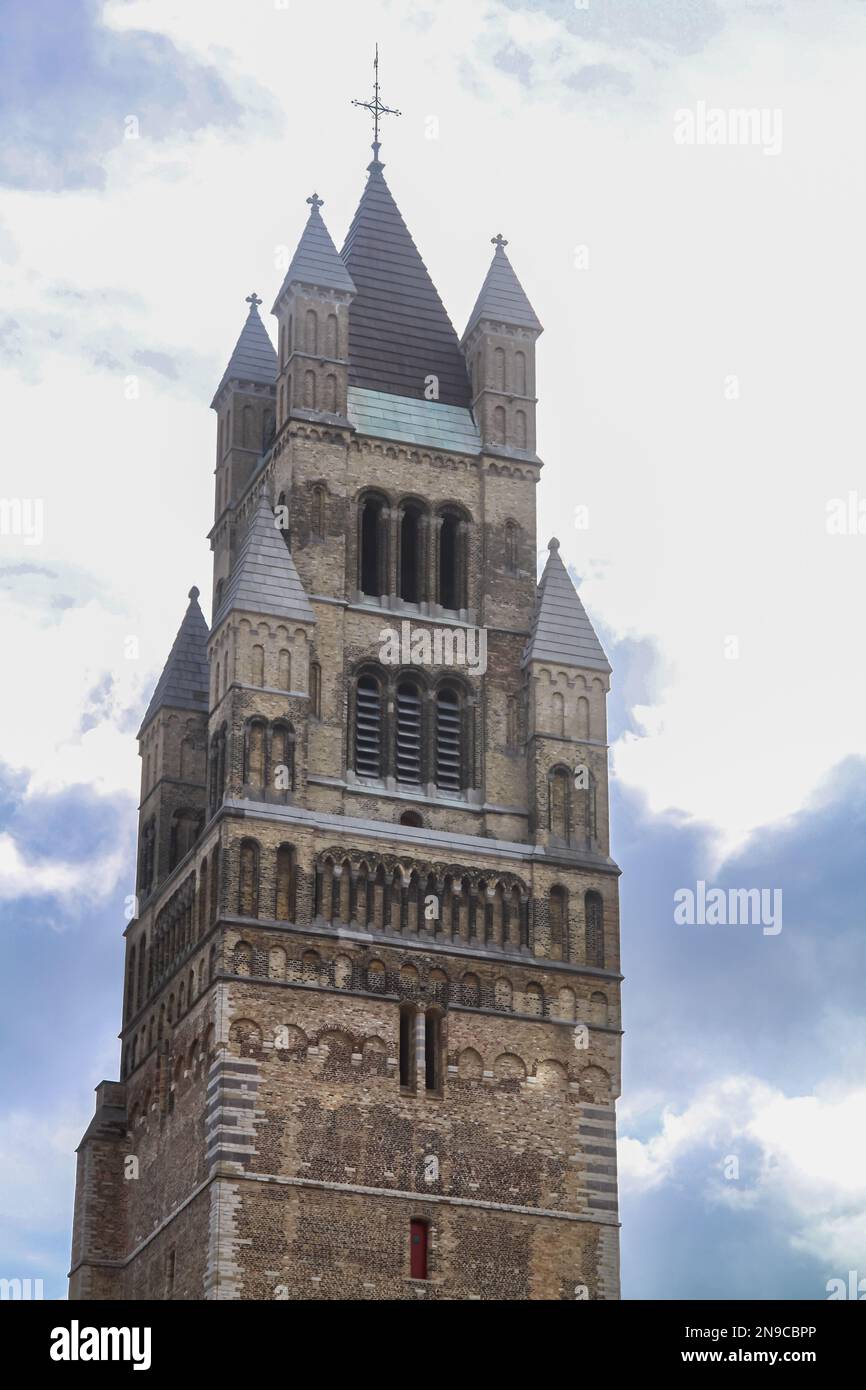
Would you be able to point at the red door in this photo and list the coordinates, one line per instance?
(418, 1249)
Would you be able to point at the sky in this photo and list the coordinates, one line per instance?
(700, 421)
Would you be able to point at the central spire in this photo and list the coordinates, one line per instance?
(377, 110)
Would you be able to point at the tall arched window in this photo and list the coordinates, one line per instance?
(215, 884)
(559, 790)
(318, 513)
(368, 727)
(281, 770)
(202, 899)
(558, 909)
(499, 369)
(331, 336)
(248, 879)
(309, 390)
(594, 925)
(284, 903)
(410, 555)
(315, 690)
(520, 373)
(499, 425)
(450, 563)
(371, 567)
(511, 546)
(258, 666)
(521, 433)
(254, 750)
(311, 332)
(449, 742)
(409, 742)
(247, 426)
(285, 669)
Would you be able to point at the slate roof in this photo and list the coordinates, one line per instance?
(184, 683)
(561, 631)
(253, 358)
(428, 423)
(399, 332)
(503, 298)
(315, 261)
(264, 578)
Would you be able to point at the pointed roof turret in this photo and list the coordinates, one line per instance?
(264, 578)
(561, 631)
(399, 332)
(254, 358)
(315, 261)
(184, 683)
(503, 298)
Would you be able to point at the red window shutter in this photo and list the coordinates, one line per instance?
(418, 1249)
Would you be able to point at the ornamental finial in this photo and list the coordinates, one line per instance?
(377, 109)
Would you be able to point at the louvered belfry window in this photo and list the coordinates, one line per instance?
(368, 728)
(448, 741)
(408, 734)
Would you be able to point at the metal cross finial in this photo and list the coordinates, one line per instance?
(376, 108)
(253, 301)
(316, 202)
(498, 241)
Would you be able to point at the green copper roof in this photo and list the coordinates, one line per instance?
(429, 423)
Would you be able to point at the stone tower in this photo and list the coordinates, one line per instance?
(371, 1021)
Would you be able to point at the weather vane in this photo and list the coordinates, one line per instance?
(376, 108)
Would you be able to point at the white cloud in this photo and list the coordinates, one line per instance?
(89, 881)
(810, 1160)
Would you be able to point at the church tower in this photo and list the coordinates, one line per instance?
(370, 1044)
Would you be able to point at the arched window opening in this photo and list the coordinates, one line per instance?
(499, 369)
(511, 547)
(448, 741)
(521, 433)
(318, 512)
(449, 578)
(282, 758)
(412, 818)
(370, 558)
(410, 555)
(254, 772)
(408, 750)
(311, 332)
(284, 907)
(248, 882)
(499, 425)
(520, 373)
(247, 426)
(432, 1052)
(594, 913)
(558, 918)
(560, 789)
(316, 690)
(285, 669)
(215, 884)
(407, 1046)
(331, 336)
(368, 728)
(258, 666)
